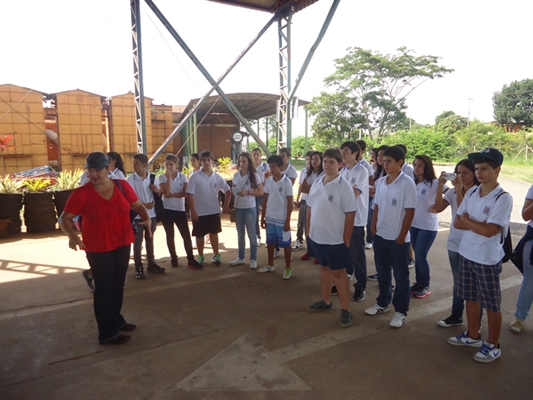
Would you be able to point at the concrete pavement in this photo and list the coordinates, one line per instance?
(231, 333)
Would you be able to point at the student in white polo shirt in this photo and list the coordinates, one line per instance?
(263, 170)
(173, 186)
(484, 216)
(276, 215)
(406, 168)
(394, 208)
(140, 182)
(202, 195)
(331, 199)
(425, 223)
(357, 176)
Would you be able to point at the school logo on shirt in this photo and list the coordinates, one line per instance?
(423, 192)
(394, 202)
(280, 189)
(486, 210)
(330, 197)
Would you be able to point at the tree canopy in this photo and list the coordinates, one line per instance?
(370, 90)
(513, 105)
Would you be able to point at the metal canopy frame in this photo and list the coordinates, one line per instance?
(283, 16)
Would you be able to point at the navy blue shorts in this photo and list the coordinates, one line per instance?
(334, 256)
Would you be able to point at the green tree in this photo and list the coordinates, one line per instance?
(371, 90)
(450, 122)
(335, 117)
(513, 105)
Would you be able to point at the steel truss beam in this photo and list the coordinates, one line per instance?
(284, 56)
(215, 84)
(140, 120)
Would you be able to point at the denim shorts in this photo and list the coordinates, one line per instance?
(334, 256)
(478, 282)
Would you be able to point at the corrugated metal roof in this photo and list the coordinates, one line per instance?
(250, 105)
(267, 5)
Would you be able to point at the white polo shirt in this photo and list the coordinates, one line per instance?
(408, 170)
(455, 235)
(176, 186)
(329, 204)
(244, 183)
(368, 166)
(311, 179)
(529, 196)
(358, 177)
(261, 169)
(303, 175)
(425, 198)
(392, 200)
(479, 248)
(277, 198)
(142, 189)
(290, 172)
(205, 190)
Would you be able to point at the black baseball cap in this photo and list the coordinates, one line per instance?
(488, 153)
(97, 160)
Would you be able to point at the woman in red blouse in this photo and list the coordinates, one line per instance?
(104, 205)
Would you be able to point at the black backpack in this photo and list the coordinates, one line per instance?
(158, 202)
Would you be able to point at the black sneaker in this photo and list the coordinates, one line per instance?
(372, 277)
(334, 290)
(346, 318)
(320, 306)
(422, 292)
(415, 287)
(452, 320)
(155, 269)
(359, 295)
(174, 262)
(139, 273)
(89, 278)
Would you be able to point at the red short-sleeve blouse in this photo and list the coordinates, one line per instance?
(106, 223)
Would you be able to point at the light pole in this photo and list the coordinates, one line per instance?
(468, 119)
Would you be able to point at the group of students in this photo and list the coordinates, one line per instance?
(340, 194)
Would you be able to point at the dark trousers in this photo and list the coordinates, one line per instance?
(301, 221)
(369, 221)
(171, 217)
(258, 203)
(142, 231)
(389, 257)
(109, 272)
(358, 256)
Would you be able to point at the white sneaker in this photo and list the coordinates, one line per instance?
(298, 246)
(376, 309)
(464, 340)
(368, 246)
(237, 261)
(398, 320)
(276, 253)
(266, 268)
(253, 264)
(287, 274)
(488, 353)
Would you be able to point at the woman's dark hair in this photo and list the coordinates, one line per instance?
(429, 171)
(310, 169)
(465, 162)
(251, 169)
(113, 155)
(379, 168)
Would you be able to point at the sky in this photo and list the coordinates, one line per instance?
(57, 45)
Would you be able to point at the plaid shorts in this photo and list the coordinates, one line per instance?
(478, 282)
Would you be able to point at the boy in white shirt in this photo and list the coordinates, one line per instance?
(331, 199)
(357, 176)
(394, 209)
(202, 195)
(484, 216)
(276, 215)
(140, 182)
(264, 173)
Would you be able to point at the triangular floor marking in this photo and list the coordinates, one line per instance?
(242, 366)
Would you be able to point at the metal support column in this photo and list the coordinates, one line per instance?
(284, 133)
(138, 75)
